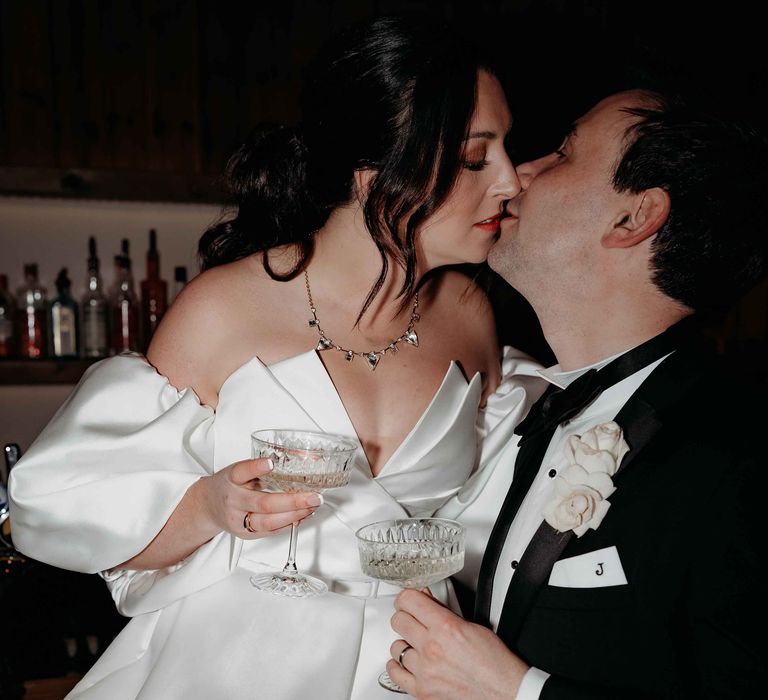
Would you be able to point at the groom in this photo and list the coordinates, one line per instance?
(624, 560)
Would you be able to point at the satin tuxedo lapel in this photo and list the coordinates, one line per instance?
(528, 461)
(641, 419)
(653, 404)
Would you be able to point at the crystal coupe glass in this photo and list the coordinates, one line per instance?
(411, 553)
(302, 461)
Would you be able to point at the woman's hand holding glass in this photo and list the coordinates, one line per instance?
(304, 461)
(233, 499)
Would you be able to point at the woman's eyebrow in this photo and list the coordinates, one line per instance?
(482, 135)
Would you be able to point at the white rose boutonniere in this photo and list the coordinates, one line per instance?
(582, 489)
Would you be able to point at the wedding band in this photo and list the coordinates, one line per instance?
(402, 654)
(247, 523)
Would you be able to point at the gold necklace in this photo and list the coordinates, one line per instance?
(372, 357)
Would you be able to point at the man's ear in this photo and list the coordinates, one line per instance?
(650, 210)
(363, 179)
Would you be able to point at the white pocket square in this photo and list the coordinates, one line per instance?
(592, 570)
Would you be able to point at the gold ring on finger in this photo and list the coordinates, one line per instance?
(247, 523)
(400, 656)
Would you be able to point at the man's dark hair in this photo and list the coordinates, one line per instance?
(712, 248)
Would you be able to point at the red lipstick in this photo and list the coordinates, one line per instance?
(491, 224)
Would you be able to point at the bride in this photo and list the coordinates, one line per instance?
(321, 306)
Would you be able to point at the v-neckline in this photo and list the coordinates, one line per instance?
(332, 391)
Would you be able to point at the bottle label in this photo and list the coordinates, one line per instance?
(63, 328)
(95, 330)
(125, 327)
(32, 328)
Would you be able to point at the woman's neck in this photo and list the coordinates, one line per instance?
(345, 265)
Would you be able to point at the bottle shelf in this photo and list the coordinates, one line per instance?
(59, 371)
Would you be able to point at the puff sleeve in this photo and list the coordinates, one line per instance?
(105, 475)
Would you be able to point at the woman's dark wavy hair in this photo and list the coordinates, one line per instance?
(712, 247)
(395, 95)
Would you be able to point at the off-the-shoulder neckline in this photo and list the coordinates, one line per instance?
(451, 369)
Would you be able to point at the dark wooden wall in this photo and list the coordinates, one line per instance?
(151, 86)
(146, 99)
(94, 92)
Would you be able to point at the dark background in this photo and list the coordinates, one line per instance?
(146, 99)
(171, 87)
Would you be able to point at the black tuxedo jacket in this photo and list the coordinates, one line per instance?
(684, 519)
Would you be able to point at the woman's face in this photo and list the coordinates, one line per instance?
(465, 227)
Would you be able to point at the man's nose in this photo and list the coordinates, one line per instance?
(526, 172)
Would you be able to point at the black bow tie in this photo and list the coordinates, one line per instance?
(559, 405)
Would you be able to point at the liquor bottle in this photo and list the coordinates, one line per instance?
(95, 309)
(154, 292)
(125, 309)
(13, 561)
(11, 455)
(3, 505)
(179, 280)
(5, 543)
(31, 316)
(64, 340)
(7, 319)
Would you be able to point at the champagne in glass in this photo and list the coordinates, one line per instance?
(302, 461)
(411, 553)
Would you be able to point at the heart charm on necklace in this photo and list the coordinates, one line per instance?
(373, 359)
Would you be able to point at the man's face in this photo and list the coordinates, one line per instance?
(552, 240)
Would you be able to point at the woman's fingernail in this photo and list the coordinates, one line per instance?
(315, 499)
(270, 465)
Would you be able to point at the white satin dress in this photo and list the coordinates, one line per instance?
(107, 472)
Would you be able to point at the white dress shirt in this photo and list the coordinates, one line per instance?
(529, 516)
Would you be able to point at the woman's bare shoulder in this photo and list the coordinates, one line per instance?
(201, 339)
